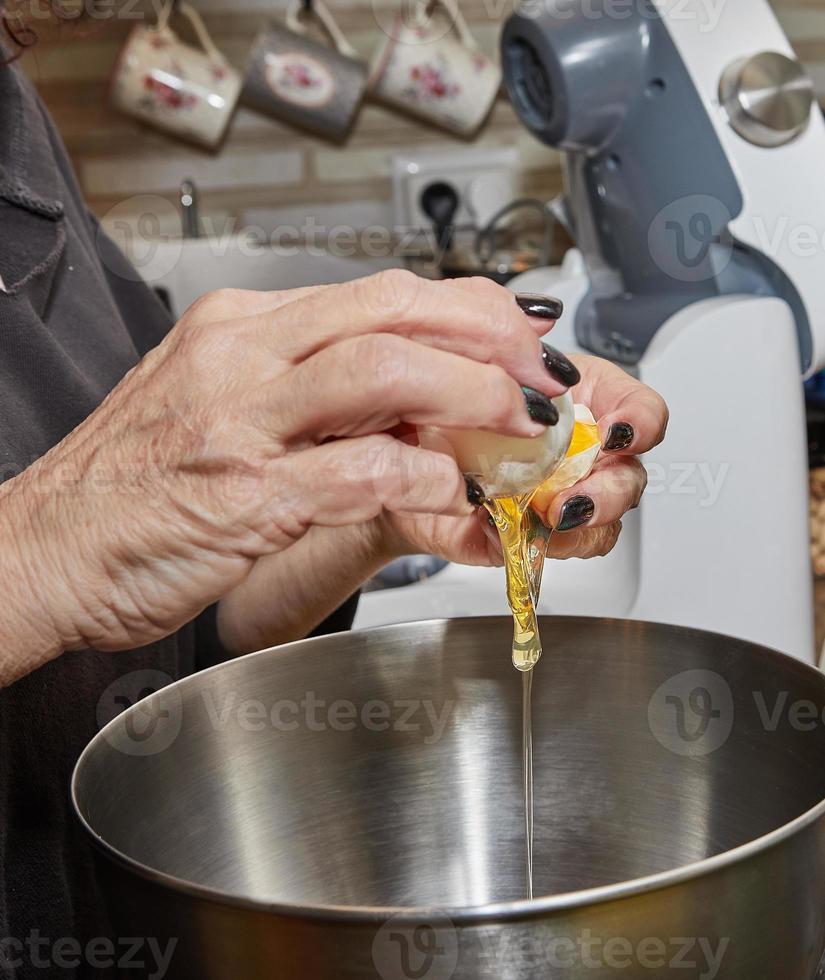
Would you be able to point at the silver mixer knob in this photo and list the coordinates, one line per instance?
(768, 98)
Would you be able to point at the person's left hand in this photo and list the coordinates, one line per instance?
(632, 419)
(315, 574)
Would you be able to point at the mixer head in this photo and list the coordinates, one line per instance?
(670, 129)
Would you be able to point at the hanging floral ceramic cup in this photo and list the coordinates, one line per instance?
(190, 92)
(439, 75)
(302, 81)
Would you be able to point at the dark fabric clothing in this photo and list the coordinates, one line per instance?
(74, 318)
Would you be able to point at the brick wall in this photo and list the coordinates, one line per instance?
(266, 167)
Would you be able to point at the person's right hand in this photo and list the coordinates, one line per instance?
(260, 415)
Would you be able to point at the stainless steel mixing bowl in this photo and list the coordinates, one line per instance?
(352, 807)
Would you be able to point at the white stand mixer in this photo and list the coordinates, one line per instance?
(692, 155)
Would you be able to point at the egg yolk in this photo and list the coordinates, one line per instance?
(585, 436)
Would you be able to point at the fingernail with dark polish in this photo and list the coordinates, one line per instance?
(559, 366)
(545, 307)
(619, 437)
(540, 408)
(474, 492)
(576, 512)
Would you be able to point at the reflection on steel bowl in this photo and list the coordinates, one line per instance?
(351, 807)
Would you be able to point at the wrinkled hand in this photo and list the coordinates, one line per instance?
(260, 416)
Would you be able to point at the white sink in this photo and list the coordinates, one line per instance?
(188, 268)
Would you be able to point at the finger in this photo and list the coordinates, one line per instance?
(480, 323)
(587, 542)
(493, 537)
(373, 383)
(351, 481)
(632, 417)
(613, 488)
(221, 305)
(457, 539)
(541, 311)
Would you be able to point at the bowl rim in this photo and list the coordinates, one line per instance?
(521, 909)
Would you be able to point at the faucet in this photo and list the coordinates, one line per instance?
(189, 208)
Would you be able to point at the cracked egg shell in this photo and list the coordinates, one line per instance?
(506, 466)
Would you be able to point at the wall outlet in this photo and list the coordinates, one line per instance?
(484, 178)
